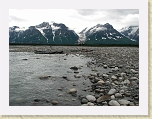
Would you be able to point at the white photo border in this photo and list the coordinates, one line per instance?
(142, 109)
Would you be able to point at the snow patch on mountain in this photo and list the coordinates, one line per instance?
(18, 29)
(132, 29)
(40, 29)
(55, 27)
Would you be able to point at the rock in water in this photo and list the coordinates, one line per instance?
(84, 101)
(54, 102)
(44, 77)
(90, 98)
(72, 91)
(93, 74)
(77, 76)
(74, 68)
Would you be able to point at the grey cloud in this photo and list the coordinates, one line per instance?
(14, 18)
(86, 12)
(123, 12)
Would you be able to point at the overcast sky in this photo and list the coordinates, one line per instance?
(76, 19)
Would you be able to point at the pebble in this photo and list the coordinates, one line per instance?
(121, 91)
(64, 77)
(73, 90)
(124, 87)
(126, 81)
(112, 97)
(122, 74)
(127, 94)
(93, 74)
(44, 77)
(36, 100)
(77, 76)
(25, 59)
(84, 101)
(60, 89)
(101, 82)
(105, 66)
(76, 72)
(103, 98)
(105, 75)
(133, 78)
(118, 95)
(90, 104)
(60, 95)
(113, 77)
(90, 98)
(114, 103)
(112, 91)
(133, 71)
(120, 78)
(54, 102)
(74, 68)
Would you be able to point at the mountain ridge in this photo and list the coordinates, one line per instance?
(59, 33)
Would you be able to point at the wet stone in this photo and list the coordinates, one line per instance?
(90, 104)
(72, 90)
(36, 100)
(93, 74)
(112, 97)
(113, 77)
(76, 72)
(126, 81)
(105, 66)
(133, 78)
(25, 59)
(133, 71)
(44, 77)
(77, 76)
(54, 102)
(118, 95)
(112, 91)
(90, 98)
(103, 98)
(74, 68)
(122, 74)
(101, 82)
(105, 75)
(114, 103)
(127, 94)
(84, 101)
(60, 95)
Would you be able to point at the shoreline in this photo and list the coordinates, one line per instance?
(118, 87)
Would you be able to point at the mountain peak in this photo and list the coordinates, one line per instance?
(107, 25)
(131, 32)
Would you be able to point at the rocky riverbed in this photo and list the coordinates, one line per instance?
(118, 87)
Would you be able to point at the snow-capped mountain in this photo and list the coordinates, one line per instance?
(103, 34)
(44, 33)
(132, 32)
